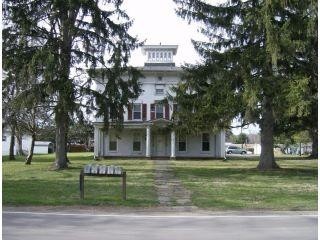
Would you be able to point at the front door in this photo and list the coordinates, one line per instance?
(159, 145)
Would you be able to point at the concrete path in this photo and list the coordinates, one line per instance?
(84, 226)
(169, 188)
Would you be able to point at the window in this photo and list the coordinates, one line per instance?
(149, 55)
(182, 143)
(159, 111)
(165, 55)
(136, 142)
(113, 143)
(137, 111)
(153, 55)
(159, 89)
(205, 142)
(4, 138)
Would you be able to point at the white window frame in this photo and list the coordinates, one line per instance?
(185, 137)
(155, 110)
(133, 140)
(134, 111)
(110, 138)
(203, 142)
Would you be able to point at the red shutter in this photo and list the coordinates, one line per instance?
(166, 111)
(144, 112)
(152, 111)
(130, 112)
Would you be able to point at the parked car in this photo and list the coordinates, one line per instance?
(235, 150)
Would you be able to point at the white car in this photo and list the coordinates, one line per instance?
(235, 150)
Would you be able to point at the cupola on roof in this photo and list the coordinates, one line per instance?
(159, 54)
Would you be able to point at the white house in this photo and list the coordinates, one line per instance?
(146, 133)
(40, 147)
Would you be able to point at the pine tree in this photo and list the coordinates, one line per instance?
(62, 41)
(245, 67)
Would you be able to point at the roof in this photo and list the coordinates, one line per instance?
(172, 48)
(160, 68)
(42, 143)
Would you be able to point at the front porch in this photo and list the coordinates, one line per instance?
(156, 140)
(150, 140)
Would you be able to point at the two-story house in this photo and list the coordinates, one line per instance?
(146, 133)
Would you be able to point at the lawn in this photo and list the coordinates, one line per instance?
(37, 184)
(236, 184)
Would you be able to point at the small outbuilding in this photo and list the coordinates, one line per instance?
(43, 147)
(40, 147)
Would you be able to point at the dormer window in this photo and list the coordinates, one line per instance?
(159, 54)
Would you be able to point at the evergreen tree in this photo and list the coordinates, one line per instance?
(301, 65)
(62, 41)
(245, 68)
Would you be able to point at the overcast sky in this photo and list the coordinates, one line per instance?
(156, 22)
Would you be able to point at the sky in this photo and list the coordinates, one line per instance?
(155, 21)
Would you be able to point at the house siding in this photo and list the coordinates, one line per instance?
(160, 141)
(125, 145)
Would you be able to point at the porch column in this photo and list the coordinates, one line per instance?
(148, 133)
(223, 143)
(173, 145)
(102, 143)
(96, 141)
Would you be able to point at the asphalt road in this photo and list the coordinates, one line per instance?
(43, 226)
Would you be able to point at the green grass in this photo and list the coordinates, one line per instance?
(37, 184)
(237, 184)
(232, 185)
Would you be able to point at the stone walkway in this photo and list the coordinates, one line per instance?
(169, 188)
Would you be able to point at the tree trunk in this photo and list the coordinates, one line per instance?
(314, 136)
(11, 149)
(267, 160)
(65, 92)
(61, 151)
(67, 144)
(30, 155)
(19, 144)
